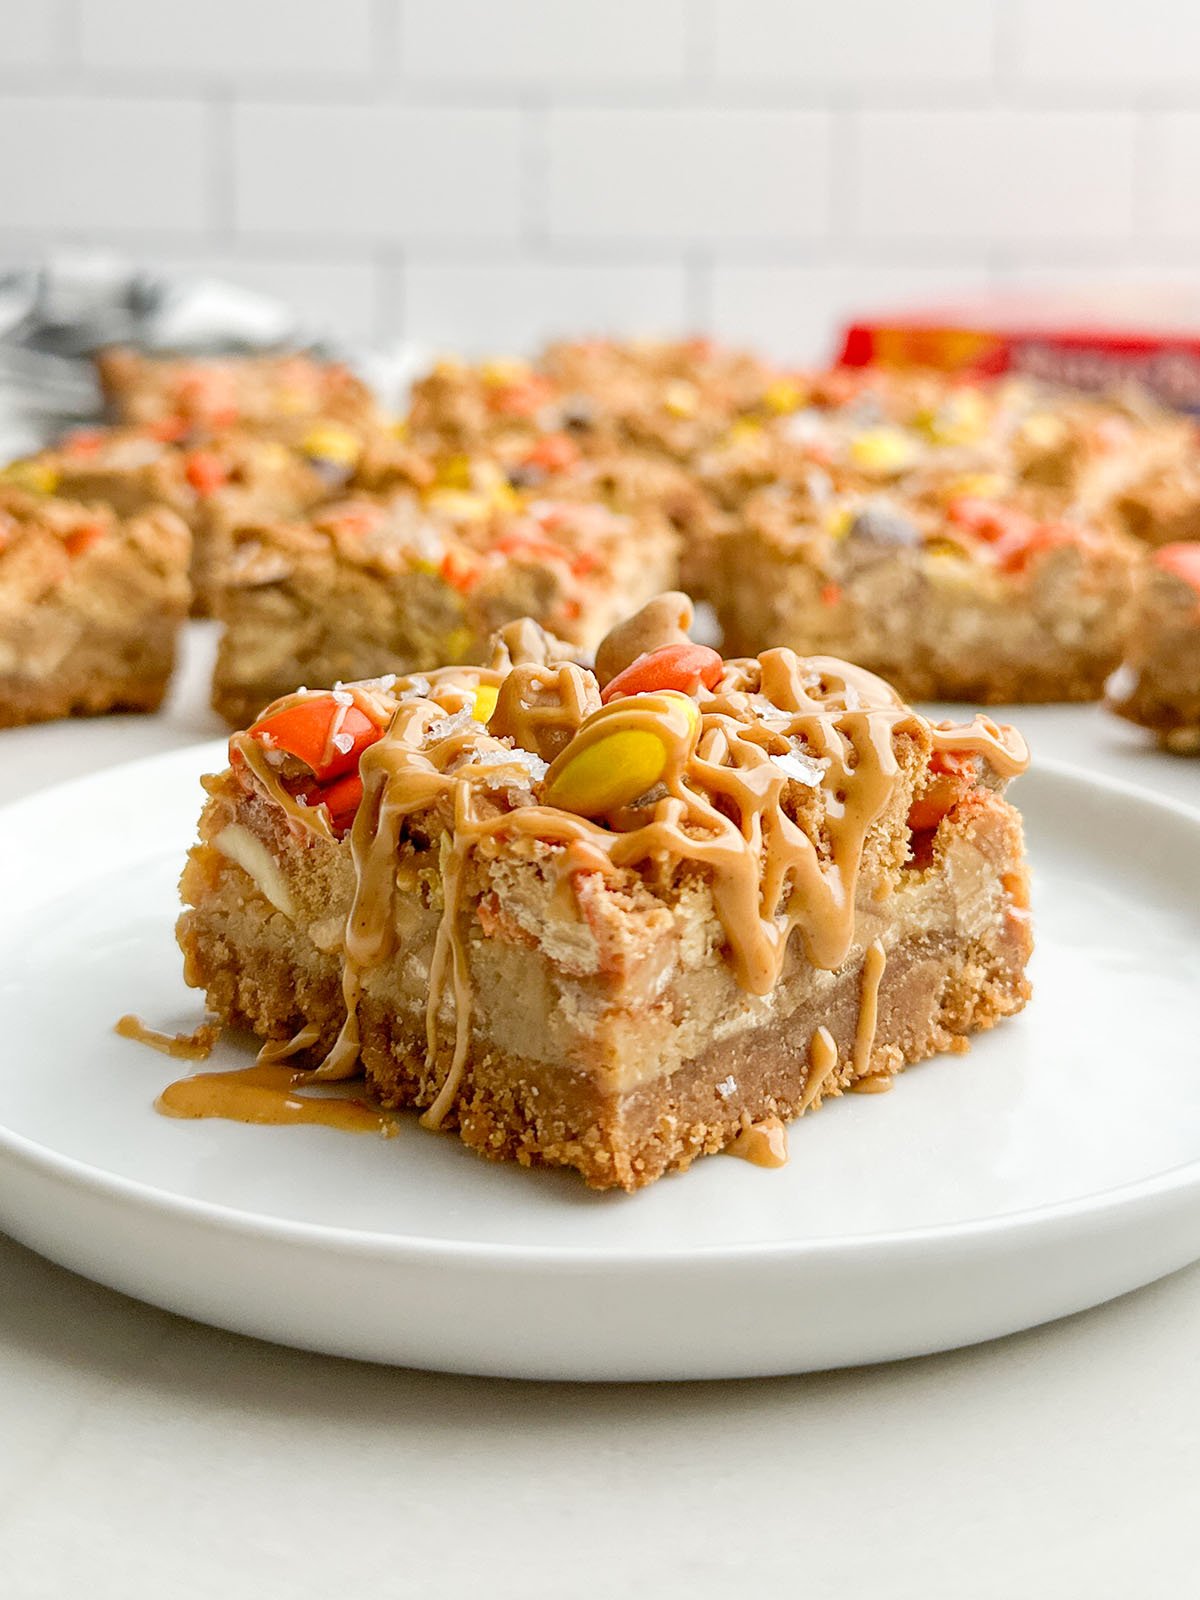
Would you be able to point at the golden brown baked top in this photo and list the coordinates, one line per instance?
(218, 393)
(44, 541)
(463, 538)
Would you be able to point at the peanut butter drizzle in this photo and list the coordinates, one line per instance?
(1002, 746)
(874, 963)
(266, 1094)
(763, 1143)
(283, 1049)
(194, 1046)
(721, 805)
(873, 1083)
(822, 1065)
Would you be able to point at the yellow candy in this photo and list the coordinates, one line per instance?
(504, 497)
(399, 428)
(743, 429)
(615, 757)
(1043, 430)
(459, 505)
(458, 643)
(783, 396)
(982, 485)
(454, 472)
(501, 372)
(882, 451)
(486, 696)
(609, 773)
(290, 401)
(35, 476)
(681, 399)
(328, 442)
(838, 520)
(962, 419)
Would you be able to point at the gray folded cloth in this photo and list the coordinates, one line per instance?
(54, 316)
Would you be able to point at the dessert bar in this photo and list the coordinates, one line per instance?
(1158, 683)
(400, 584)
(90, 605)
(611, 920)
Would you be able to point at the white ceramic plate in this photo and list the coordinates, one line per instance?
(1056, 1165)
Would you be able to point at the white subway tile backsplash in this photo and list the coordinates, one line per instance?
(685, 176)
(547, 43)
(1174, 178)
(377, 172)
(853, 43)
(1111, 44)
(73, 162)
(485, 308)
(227, 38)
(794, 312)
(1103, 277)
(995, 176)
(29, 32)
(341, 298)
(487, 173)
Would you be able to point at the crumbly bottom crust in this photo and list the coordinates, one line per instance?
(934, 992)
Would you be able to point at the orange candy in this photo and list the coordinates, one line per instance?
(1183, 560)
(305, 729)
(460, 571)
(954, 773)
(986, 520)
(205, 472)
(1019, 550)
(683, 667)
(521, 399)
(81, 539)
(554, 453)
(83, 442)
(341, 798)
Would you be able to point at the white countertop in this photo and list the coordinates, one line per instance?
(142, 1455)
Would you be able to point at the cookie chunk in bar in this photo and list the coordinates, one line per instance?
(1158, 683)
(396, 584)
(90, 605)
(611, 921)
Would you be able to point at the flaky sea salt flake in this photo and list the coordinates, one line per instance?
(801, 768)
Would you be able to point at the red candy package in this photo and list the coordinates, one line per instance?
(1092, 340)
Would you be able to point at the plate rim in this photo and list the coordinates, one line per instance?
(422, 1249)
